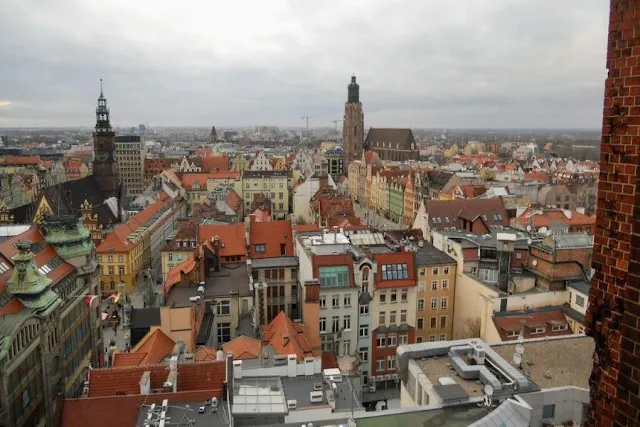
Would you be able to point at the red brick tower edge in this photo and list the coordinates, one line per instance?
(614, 303)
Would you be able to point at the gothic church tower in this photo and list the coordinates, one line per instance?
(353, 124)
(105, 164)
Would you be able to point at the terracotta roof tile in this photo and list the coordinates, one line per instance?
(531, 320)
(175, 274)
(541, 218)
(465, 208)
(214, 163)
(243, 348)
(204, 354)
(156, 345)
(128, 359)
(232, 236)
(329, 360)
(285, 338)
(273, 234)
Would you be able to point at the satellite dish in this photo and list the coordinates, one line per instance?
(534, 262)
(529, 227)
(529, 241)
(519, 349)
(488, 390)
(520, 338)
(517, 359)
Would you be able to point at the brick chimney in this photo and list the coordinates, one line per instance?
(311, 313)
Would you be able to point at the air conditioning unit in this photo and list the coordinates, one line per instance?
(394, 376)
(279, 360)
(478, 354)
(335, 378)
(387, 377)
(292, 404)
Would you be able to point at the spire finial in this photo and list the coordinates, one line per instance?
(101, 93)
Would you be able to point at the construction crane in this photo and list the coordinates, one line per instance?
(307, 119)
(335, 122)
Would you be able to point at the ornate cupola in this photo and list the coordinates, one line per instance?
(29, 284)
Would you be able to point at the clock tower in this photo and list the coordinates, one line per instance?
(105, 165)
(353, 124)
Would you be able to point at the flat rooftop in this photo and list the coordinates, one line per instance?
(554, 362)
(187, 414)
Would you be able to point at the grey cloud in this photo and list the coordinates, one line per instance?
(490, 63)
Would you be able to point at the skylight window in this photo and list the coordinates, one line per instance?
(45, 269)
(3, 267)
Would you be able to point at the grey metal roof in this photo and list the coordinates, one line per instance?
(430, 255)
(580, 286)
(284, 261)
(505, 415)
(450, 392)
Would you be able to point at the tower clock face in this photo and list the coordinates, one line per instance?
(101, 156)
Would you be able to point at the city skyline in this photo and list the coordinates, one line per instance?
(479, 65)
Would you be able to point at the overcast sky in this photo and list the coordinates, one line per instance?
(420, 63)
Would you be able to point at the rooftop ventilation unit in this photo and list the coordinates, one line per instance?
(478, 355)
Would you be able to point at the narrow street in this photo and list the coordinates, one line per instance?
(372, 218)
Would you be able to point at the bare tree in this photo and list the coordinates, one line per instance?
(301, 220)
(472, 327)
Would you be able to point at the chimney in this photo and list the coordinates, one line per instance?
(237, 369)
(172, 379)
(229, 381)
(292, 361)
(145, 383)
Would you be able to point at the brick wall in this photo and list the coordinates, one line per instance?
(614, 306)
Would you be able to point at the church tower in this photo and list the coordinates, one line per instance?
(105, 165)
(353, 124)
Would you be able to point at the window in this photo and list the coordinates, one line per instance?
(346, 347)
(403, 295)
(346, 321)
(335, 301)
(261, 248)
(381, 341)
(382, 318)
(434, 303)
(395, 272)
(443, 321)
(538, 330)
(420, 323)
(518, 255)
(559, 327)
(110, 258)
(393, 341)
(391, 362)
(380, 364)
(420, 305)
(224, 332)
(364, 331)
(433, 322)
(347, 300)
(580, 300)
(422, 285)
(334, 277)
(364, 309)
(121, 270)
(394, 297)
(432, 338)
(323, 324)
(512, 334)
(383, 298)
(403, 316)
(444, 302)
(223, 308)
(418, 340)
(422, 271)
(120, 258)
(111, 270)
(283, 249)
(392, 317)
(435, 271)
(335, 324)
(443, 337)
(548, 411)
(323, 302)
(445, 284)
(403, 339)
(445, 270)
(364, 354)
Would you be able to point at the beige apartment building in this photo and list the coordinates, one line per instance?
(131, 151)
(436, 273)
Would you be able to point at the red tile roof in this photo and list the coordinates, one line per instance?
(272, 234)
(189, 180)
(128, 359)
(243, 348)
(234, 201)
(543, 218)
(204, 354)
(395, 258)
(465, 208)
(231, 236)
(329, 360)
(536, 176)
(333, 260)
(175, 274)
(191, 377)
(155, 346)
(122, 410)
(215, 163)
(22, 160)
(531, 320)
(287, 337)
(307, 227)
